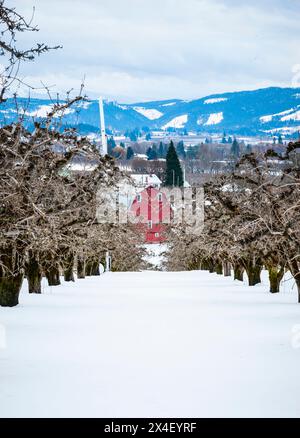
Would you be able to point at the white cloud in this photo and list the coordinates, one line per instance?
(132, 50)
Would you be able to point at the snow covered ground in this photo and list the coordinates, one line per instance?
(155, 254)
(215, 100)
(151, 344)
(214, 119)
(151, 114)
(177, 122)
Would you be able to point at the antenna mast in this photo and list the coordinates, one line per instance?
(102, 127)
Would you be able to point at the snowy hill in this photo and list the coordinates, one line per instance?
(246, 112)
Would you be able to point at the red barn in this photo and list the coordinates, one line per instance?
(153, 211)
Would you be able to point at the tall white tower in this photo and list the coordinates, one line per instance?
(102, 127)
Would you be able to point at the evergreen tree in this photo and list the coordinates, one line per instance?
(235, 148)
(129, 153)
(280, 141)
(152, 153)
(248, 149)
(148, 136)
(111, 144)
(174, 175)
(180, 149)
(229, 141)
(133, 135)
(122, 144)
(161, 150)
(166, 147)
(148, 153)
(224, 141)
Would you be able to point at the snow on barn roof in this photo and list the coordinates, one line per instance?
(146, 179)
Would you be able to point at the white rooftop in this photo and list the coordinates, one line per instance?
(146, 179)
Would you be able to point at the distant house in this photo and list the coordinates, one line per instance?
(153, 211)
(145, 180)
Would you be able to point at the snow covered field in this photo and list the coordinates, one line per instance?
(151, 344)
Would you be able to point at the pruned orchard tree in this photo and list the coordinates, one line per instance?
(252, 221)
(48, 209)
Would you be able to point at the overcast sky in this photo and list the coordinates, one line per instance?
(135, 50)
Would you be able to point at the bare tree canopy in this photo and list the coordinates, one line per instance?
(48, 223)
(252, 219)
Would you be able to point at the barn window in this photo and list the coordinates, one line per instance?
(156, 234)
(160, 197)
(139, 198)
(149, 225)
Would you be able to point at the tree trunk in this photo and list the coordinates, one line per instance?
(295, 271)
(211, 266)
(68, 265)
(227, 269)
(53, 277)
(254, 272)
(204, 266)
(275, 276)
(95, 268)
(33, 275)
(11, 274)
(238, 272)
(69, 270)
(88, 268)
(69, 274)
(219, 268)
(10, 289)
(298, 288)
(81, 267)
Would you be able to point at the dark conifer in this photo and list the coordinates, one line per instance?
(174, 175)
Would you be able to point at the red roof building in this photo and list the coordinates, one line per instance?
(152, 211)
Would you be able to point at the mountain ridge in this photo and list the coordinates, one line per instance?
(250, 112)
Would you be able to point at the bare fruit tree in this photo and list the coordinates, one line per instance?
(48, 194)
(252, 221)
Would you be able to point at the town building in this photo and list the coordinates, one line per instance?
(152, 211)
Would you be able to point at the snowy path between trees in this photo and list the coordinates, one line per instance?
(189, 344)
